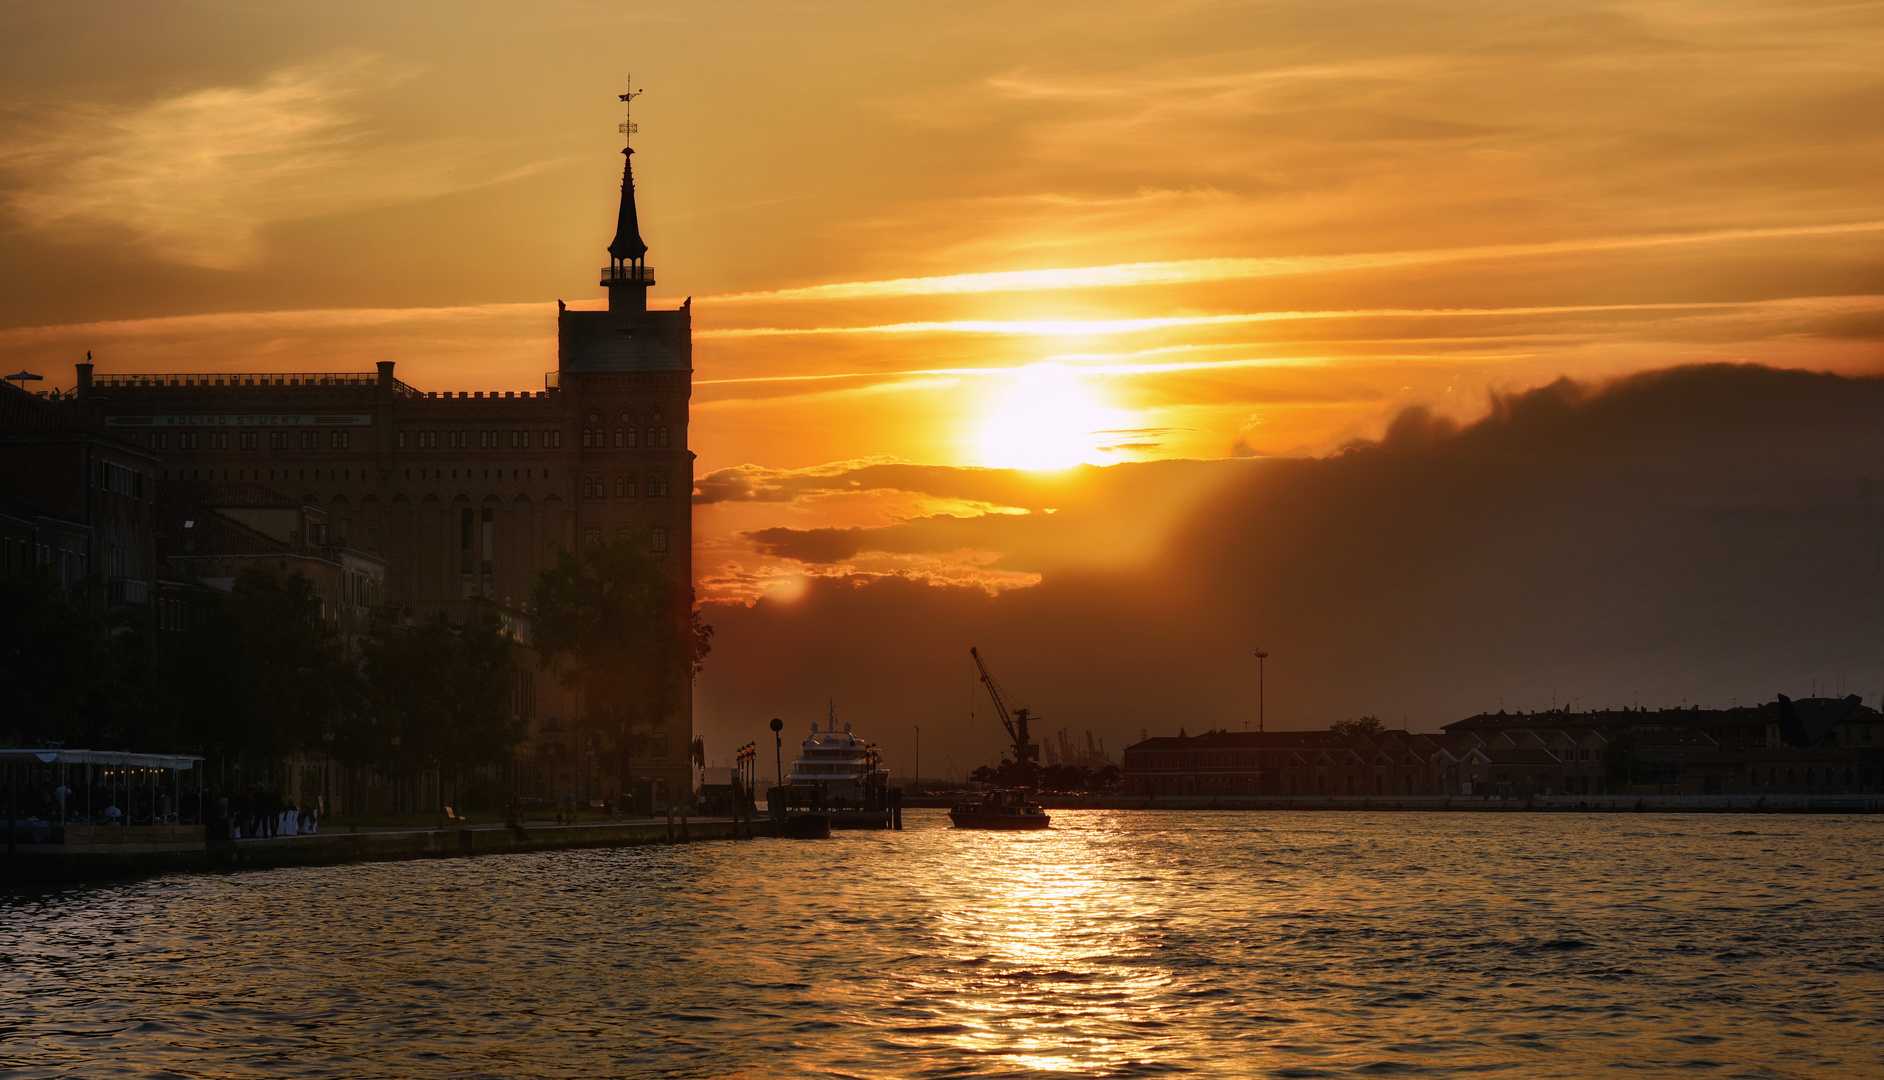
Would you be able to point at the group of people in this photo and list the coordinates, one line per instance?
(102, 804)
(261, 812)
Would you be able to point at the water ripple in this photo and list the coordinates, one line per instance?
(1117, 944)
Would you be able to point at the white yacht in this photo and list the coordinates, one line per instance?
(837, 766)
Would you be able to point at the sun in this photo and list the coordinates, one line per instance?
(1048, 420)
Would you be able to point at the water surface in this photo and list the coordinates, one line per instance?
(1117, 944)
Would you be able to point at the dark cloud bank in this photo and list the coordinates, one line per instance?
(1703, 533)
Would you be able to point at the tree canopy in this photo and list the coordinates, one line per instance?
(617, 626)
(440, 697)
(1366, 725)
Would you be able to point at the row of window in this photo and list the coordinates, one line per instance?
(119, 480)
(490, 439)
(252, 440)
(1831, 777)
(625, 438)
(596, 487)
(657, 539)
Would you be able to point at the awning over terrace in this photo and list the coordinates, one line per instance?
(102, 757)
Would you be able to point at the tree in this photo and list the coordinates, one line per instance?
(1366, 725)
(623, 632)
(440, 698)
(264, 674)
(54, 661)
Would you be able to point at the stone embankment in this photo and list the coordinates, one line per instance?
(1660, 804)
(102, 852)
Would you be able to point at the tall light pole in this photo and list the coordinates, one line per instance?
(778, 750)
(916, 787)
(1260, 657)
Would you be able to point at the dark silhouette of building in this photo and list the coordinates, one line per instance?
(75, 498)
(463, 496)
(1818, 746)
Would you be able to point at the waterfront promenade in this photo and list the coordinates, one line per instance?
(99, 852)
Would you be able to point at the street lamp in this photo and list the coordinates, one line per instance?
(778, 752)
(1260, 657)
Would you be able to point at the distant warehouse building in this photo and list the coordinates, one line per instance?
(1818, 746)
(1230, 763)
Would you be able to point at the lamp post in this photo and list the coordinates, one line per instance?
(1260, 657)
(778, 754)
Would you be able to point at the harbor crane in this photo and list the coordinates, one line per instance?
(1025, 750)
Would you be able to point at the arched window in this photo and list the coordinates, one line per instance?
(587, 493)
(630, 433)
(585, 438)
(629, 483)
(621, 485)
(621, 438)
(592, 537)
(663, 438)
(658, 539)
(657, 487)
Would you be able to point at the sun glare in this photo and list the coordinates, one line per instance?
(1049, 420)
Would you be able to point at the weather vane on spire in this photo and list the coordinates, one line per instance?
(628, 127)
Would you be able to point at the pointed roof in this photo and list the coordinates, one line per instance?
(627, 243)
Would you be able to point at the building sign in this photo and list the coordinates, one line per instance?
(246, 420)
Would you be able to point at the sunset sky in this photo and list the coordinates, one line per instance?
(941, 253)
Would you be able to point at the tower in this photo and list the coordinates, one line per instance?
(626, 374)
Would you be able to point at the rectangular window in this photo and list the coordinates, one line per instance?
(465, 532)
(310, 440)
(342, 440)
(451, 440)
(489, 536)
(186, 440)
(402, 440)
(159, 440)
(277, 440)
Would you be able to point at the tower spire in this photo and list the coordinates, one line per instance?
(627, 246)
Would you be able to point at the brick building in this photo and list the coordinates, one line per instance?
(75, 498)
(463, 495)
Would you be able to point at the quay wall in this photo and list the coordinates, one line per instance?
(1660, 804)
(38, 862)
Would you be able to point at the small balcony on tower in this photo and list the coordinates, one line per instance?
(632, 273)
